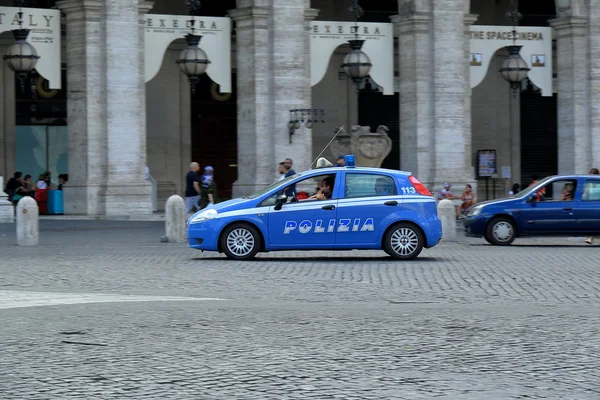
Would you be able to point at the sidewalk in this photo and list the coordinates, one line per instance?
(157, 216)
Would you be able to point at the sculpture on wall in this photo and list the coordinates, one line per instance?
(369, 148)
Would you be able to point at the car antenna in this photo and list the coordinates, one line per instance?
(322, 151)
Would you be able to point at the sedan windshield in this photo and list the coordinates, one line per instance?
(271, 187)
(530, 189)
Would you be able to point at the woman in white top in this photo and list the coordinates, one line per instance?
(41, 183)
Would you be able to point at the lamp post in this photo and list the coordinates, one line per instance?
(514, 69)
(21, 56)
(193, 61)
(357, 64)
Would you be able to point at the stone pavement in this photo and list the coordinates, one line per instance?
(103, 310)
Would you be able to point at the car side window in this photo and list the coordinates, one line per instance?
(561, 190)
(366, 185)
(591, 190)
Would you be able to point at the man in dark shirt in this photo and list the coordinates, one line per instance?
(192, 189)
(326, 190)
(287, 165)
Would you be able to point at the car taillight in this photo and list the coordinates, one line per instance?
(421, 189)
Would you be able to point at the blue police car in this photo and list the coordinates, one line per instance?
(334, 208)
(557, 205)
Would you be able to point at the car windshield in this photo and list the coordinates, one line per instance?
(529, 189)
(271, 187)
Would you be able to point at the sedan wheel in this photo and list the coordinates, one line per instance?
(500, 231)
(403, 241)
(240, 242)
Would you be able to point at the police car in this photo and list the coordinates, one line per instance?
(336, 208)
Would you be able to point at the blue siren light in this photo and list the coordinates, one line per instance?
(349, 160)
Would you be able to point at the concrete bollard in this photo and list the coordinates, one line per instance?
(447, 214)
(28, 224)
(175, 219)
(7, 210)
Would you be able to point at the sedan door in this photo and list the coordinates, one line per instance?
(557, 211)
(588, 214)
(367, 200)
(308, 224)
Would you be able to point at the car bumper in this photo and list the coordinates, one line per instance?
(204, 235)
(475, 226)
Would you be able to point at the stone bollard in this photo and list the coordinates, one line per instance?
(28, 224)
(175, 219)
(447, 214)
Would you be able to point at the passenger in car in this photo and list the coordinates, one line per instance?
(326, 190)
(567, 193)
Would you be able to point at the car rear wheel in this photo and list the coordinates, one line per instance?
(240, 242)
(404, 241)
(500, 231)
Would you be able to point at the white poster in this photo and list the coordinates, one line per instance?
(44, 36)
(161, 30)
(536, 51)
(326, 36)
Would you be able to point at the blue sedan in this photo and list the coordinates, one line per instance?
(337, 208)
(557, 205)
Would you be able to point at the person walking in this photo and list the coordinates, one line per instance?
(209, 188)
(593, 189)
(192, 189)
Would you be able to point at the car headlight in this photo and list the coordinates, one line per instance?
(475, 211)
(204, 216)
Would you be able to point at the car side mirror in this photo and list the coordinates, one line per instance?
(532, 198)
(281, 200)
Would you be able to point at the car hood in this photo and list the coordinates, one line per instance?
(229, 205)
(496, 202)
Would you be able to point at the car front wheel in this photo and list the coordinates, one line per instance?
(500, 232)
(404, 241)
(240, 242)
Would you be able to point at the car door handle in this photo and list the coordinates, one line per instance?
(391, 203)
(567, 209)
(328, 207)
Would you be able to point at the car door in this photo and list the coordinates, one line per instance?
(307, 224)
(367, 199)
(553, 213)
(588, 213)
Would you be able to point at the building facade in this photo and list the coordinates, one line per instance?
(107, 122)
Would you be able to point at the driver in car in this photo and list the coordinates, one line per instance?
(326, 190)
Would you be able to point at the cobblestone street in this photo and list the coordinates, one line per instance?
(103, 310)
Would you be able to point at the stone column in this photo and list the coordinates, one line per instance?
(291, 81)
(127, 191)
(416, 92)
(256, 147)
(451, 104)
(593, 57)
(574, 139)
(85, 107)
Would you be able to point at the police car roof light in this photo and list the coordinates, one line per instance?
(349, 160)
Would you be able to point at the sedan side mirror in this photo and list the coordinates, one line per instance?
(281, 200)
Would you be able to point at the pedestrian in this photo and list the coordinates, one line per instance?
(209, 188)
(192, 189)
(288, 163)
(592, 190)
(282, 170)
(468, 199)
(516, 188)
(341, 161)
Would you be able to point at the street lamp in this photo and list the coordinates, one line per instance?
(193, 61)
(514, 68)
(357, 64)
(21, 56)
